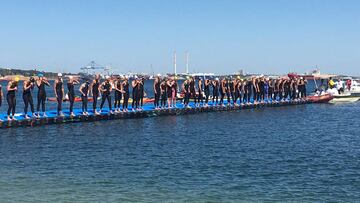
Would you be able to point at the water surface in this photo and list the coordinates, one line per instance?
(291, 154)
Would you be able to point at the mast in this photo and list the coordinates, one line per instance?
(175, 63)
(187, 62)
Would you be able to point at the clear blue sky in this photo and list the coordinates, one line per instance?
(221, 36)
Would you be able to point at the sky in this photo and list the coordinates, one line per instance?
(221, 36)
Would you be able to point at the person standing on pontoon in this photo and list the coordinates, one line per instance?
(215, 95)
(163, 88)
(84, 91)
(71, 93)
(1, 96)
(94, 88)
(141, 93)
(157, 92)
(105, 89)
(125, 92)
(12, 88)
(41, 97)
(200, 100)
(207, 91)
(59, 93)
(27, 97)
(186, 89)
(117, 94)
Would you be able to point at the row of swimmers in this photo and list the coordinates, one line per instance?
(87, 89)
(235, 90)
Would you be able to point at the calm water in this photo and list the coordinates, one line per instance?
(291, 154)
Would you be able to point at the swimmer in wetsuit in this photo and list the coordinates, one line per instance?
(227, 88)
(41, 82)
(27, 97)
(200, 100)
(231, 90)
(1, 97)
(135, 93)
(59, 93)
(106, 89)
(169, 83)
(84, 91)
(12, 87)
(117, 95)
(192, 90)
(215, 96)
(141, 93)
(163, 90)
(71, 93)
(186, 90)
(223, 91)
(126, 93)
(207, 91)
(157, 92)
(94, 88)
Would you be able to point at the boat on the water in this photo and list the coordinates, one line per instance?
(342, 97)
(325, 98)
(354, 88)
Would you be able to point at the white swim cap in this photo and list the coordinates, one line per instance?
(59, 74)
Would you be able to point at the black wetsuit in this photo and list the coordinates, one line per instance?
(215, 92)
(231, 90)
(106, 95)
(302, 89)
(59, 94)
(118, 95)
(11, 100)
(249, 90)
(228, 92)
(163, 94)
(192, 90)
(200, 95)
(281, 90)
(237, 92)
(141, 94)
(1, 95)
(126, 95)
(187, 93)
(27, 97)
(84, 98)
(169, 91)
(207, 92)
(95, 93)
(255, 92)
(41, 97)
(295, 90)
(243, 91)
(135, 96)
(222, 92)
(287, 89)
(71, 95)
(157, 94)
(262, 90)
(271, 89)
